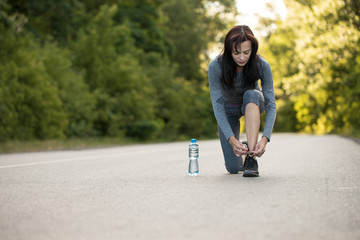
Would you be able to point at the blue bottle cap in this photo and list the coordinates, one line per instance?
(193, 140)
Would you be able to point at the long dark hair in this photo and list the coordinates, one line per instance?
(234, 38)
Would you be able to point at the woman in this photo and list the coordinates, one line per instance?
(235, 92)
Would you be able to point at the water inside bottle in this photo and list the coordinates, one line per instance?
(193, 167)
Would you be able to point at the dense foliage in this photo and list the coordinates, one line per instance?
(314, 54)
(138, 68)
(116, 68)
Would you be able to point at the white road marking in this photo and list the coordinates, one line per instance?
(76, 159)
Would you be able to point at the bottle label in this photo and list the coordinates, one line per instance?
(193, 153)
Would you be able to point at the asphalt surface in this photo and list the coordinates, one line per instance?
(308, 189)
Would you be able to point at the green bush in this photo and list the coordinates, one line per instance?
(31, 106)
(145, 129)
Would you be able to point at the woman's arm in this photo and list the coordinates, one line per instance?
(216, 94)
(267, 86)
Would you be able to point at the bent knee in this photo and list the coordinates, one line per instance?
(232, 169)
(251, 94)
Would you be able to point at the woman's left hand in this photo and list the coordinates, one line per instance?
(260, 147)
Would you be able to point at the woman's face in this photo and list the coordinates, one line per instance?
(242, 55)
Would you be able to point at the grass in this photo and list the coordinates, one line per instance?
(82, 143)
(353, 138)
(64, 144)
(16, 146)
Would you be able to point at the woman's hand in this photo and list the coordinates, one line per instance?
(260, 147)
(238, 148)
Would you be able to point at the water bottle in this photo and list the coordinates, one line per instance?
(193, 155)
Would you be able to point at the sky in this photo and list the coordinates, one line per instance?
(249, 12)
(249, 9)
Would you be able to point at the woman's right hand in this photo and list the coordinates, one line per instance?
(238, 148)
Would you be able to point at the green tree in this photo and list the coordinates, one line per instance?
(108, 68)
(59, 19)
(192, 28)
(42, 96)
(312, 55)
(30, 105)
(74, 93)
(184, 109)
(113, 73)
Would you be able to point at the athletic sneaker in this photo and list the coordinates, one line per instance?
(251, 167)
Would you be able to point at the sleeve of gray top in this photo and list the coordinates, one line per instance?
(267, 86)
(216, 94)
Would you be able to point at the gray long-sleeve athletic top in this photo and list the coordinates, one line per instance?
(221, 97)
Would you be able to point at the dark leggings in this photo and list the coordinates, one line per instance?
(233, 164)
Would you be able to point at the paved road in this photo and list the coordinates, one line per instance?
(308, 189)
